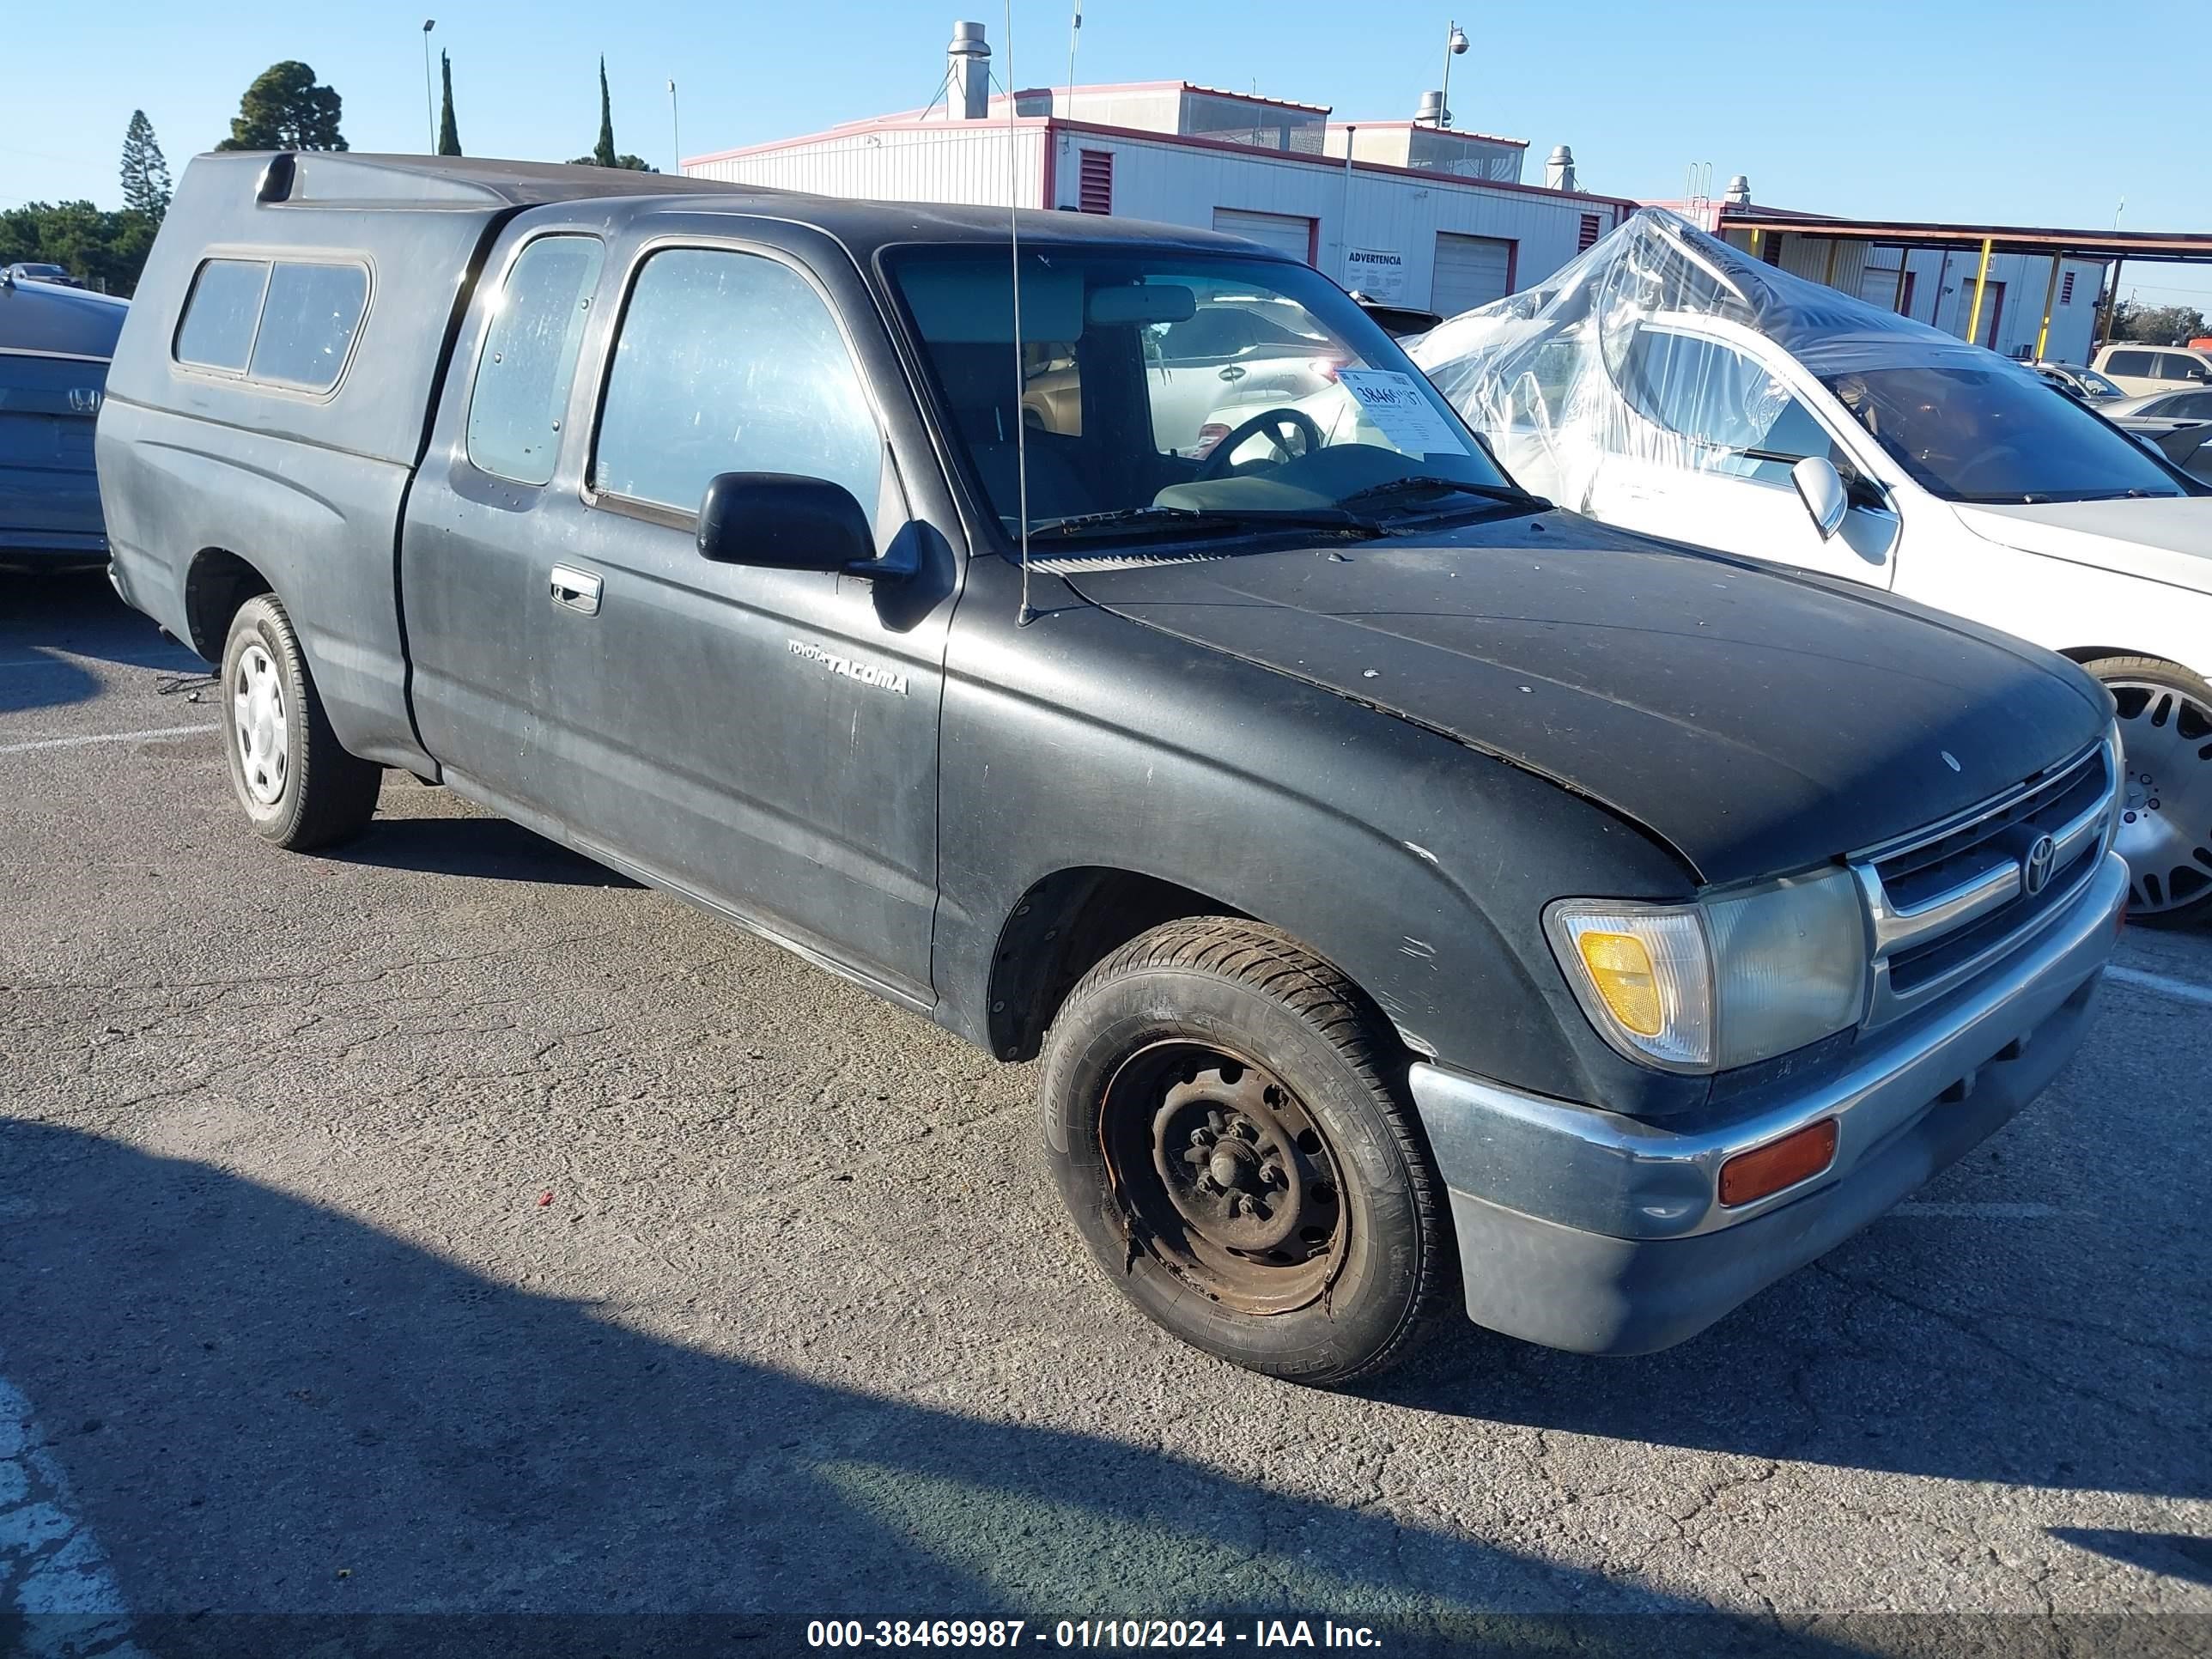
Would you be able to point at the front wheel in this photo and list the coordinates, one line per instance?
(298, 787)
(2166, 813)
(1238, 1154)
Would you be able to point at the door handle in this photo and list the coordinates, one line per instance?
(575, 590)
(1233, 373)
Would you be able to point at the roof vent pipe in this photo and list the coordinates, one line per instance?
(1432, 113)
(1739, 191)
(967, 72)
(1560, 169)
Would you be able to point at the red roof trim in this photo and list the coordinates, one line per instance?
(1137, 134)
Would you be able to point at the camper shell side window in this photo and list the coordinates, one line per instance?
(286, 323)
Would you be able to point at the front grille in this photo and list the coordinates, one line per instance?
(1954, 898)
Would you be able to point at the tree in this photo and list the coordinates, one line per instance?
(603, 153)
(146, 183)
(449, 135)
(284, 109)
(107, 250)
(2155, 325)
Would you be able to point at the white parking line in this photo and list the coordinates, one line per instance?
(103, 737)
(2163, 985)
(53, 1569)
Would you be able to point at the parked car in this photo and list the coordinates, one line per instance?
(1413, 890)
(2140, 369)
(32, 272)
(2086, 384)
(1669, 384)
(55, 344)
(1401, 323)
(2194, 404)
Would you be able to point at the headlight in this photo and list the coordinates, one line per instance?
(1739, 977)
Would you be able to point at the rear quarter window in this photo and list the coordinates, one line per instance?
(284, 322)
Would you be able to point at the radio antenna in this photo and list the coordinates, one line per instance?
(1021, 379)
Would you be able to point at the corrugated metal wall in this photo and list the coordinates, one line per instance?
(964, 162)
(1182, 185)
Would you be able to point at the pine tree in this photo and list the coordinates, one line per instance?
(284, 109)
(603, 153)
(449, 135)
(146, 183)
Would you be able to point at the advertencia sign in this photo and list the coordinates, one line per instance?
(1377, 272)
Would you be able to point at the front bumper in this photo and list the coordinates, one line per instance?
(1581, 1229)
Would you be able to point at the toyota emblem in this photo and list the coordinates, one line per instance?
(2035, 871)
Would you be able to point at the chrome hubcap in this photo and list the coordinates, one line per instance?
(2165, 812)
(257, 724)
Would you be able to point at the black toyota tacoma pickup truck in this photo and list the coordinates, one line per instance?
(1407, 886)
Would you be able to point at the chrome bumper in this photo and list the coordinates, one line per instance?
(1582, 1229)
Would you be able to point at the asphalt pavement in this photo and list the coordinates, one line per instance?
(446, 1225)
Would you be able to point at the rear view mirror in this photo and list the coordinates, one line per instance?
(1140, 302)
(784, 522)
(1821, 487)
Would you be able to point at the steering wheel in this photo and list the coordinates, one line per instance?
(1269, 421)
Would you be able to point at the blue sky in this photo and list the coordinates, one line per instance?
(1977, 110)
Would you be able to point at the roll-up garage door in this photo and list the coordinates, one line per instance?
(1471, 271)
(1293, 235)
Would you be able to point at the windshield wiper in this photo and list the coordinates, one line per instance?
(1206, 518)
(1419, 481)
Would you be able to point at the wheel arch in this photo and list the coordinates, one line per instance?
(216, 582)
(1060, 927)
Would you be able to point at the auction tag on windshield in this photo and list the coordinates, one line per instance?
(1395, 405)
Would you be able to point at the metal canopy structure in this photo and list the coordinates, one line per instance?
(2114, 247)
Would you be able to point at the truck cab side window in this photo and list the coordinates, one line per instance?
(529, 360)
(731, 362)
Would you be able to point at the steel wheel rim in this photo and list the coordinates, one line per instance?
(260, 725)
(1225, 1176)
(2165, 812)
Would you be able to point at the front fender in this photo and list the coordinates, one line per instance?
(1417, 865)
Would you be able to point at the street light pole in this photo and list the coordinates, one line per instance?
(429, 102)
(1455, 44)
(675, 128)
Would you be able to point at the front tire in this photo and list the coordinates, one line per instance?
(2166, 815)
(1239, 1155)
(299, 788)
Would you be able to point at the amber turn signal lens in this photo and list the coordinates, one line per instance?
(1797, 1156)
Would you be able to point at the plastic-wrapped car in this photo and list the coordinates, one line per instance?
(1668, 383)
(55, 345)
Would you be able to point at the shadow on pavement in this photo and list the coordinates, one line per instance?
(489, 847)
(2176, 1554)
(263, 1406)
(46, 620)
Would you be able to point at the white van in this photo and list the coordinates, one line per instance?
(2140, 369)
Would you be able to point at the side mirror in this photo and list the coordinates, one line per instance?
(782, 521)
(1821, 487)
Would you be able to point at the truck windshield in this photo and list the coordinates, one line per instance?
(1996, 435)
(1182, 389)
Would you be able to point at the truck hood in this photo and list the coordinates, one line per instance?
(2167, 539)
(1758, 722)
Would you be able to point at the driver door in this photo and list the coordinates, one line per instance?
(1701, 453)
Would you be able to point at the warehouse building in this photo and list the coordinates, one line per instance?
(1414, 213)
(2031, 291)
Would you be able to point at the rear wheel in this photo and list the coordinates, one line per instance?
(1239, 1155)
(2166, 815)
(298, 787)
